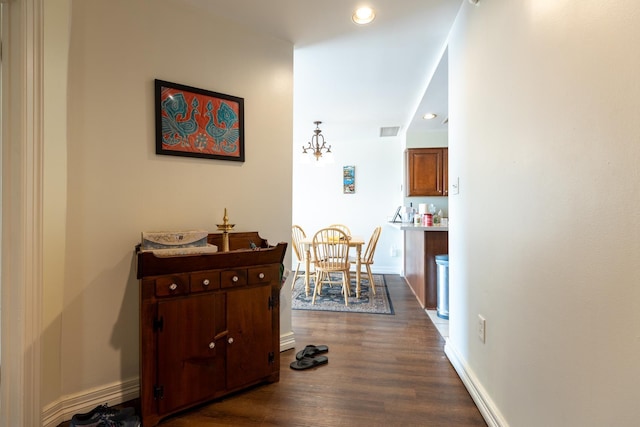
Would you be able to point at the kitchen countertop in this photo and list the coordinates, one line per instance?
(406, 226)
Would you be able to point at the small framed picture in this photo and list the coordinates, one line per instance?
(397, 217)
(195, 122)
(349, 179)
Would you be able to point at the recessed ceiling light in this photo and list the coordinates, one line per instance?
(430, 116)
(363, 15)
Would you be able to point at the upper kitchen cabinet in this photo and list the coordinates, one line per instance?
(427, 172)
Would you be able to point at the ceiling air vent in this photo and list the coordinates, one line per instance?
(389, 131)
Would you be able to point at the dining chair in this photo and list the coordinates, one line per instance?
(342, 227)
(367, 257)
(297, 235)
(331, 255)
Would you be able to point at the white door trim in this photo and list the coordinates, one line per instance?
(22, 169)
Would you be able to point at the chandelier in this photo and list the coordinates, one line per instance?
(314, 146)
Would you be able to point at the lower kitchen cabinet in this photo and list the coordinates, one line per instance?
(420, 269)
(209, 326)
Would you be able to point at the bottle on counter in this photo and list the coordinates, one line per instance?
(436, 218)
(428, 220)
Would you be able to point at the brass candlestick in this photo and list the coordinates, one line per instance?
(225, 227)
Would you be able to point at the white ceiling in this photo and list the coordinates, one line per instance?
(356, 79)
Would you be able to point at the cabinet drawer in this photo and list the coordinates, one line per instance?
(172, 285)
(233, 278)
(263, 274)
(205, 281)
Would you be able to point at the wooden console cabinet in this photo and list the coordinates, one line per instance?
(209, 324)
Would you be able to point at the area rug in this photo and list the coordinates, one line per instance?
(332, 300)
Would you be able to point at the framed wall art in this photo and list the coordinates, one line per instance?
(195, 122)
(349, 179)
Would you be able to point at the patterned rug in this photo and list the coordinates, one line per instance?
(332, 300)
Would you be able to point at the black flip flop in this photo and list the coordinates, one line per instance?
(309, 362)
(311, 350)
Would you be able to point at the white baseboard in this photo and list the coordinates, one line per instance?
(483, 401)
(287, 341)
(112, 394)
(384, 270)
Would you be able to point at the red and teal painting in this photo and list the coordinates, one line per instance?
(195, 122)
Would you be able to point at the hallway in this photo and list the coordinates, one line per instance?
(383, 370)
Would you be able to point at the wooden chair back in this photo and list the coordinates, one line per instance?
(367, 257)
(331, 250)
(342, 227)
(297, 235)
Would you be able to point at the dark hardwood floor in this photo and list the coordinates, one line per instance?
(383, 371)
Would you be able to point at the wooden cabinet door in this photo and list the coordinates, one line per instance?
(191, 361)
(249, 342)
(445, 171)
(425, 169)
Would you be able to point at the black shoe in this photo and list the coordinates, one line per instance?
(98, 415)
(120, 421)
(311, 351)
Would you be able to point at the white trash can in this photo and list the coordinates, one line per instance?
(442, 261)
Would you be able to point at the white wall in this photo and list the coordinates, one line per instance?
(318, 198)
(114, 186)
(545, 237)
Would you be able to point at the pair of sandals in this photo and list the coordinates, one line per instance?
(308, 358)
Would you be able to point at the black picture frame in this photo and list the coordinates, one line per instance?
(193, 122)
(397, 217)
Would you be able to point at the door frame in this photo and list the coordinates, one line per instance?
(22, 169)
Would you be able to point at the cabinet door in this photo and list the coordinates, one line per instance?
(445, 171)
(425, 169)
(250, 335)
(191, 364)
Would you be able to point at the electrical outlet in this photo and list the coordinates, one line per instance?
(482, 328)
